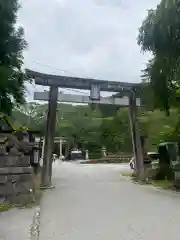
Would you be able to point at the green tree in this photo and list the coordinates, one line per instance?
(31, 115)
(160, 34)
(115, 133)
(108, 110)
(157, 127)
(79, 129)
(12, 44)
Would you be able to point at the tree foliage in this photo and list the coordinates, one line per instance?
(158, 127)
(115, 133)
(93, 131)
(160, 34)
(12, 44)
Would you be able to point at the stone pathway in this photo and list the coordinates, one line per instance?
(97, 203)
(15, 224)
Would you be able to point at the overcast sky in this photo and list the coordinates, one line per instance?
(89, 38)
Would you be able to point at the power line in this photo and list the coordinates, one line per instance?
(58, 69)
(48, 66)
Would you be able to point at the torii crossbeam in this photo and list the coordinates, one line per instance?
(78, 82)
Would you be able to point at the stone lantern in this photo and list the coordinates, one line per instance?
(86, 154)
(103, 150)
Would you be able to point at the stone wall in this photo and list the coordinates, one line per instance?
(16, 174)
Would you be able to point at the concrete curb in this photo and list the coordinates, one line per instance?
(35, 227)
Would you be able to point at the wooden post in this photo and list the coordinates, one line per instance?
(137, 148)
(43, 147)
(60, 148)
(49, 138)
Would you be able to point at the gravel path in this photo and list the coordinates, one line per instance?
(97, 203)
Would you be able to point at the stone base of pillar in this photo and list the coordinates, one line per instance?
(140, 176)
(47, 187)
(17, 185)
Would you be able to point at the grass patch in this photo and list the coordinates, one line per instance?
(5, 207)
(127, 174)
(162, 183)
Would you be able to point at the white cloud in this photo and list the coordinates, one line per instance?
(93, 38)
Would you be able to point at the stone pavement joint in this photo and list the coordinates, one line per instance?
(35, 227)
(15, 224)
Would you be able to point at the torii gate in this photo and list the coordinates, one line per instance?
(95, 86)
